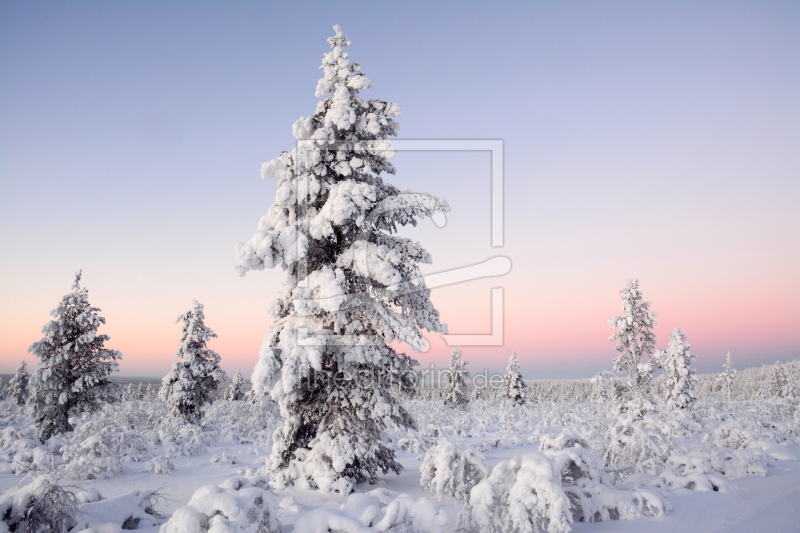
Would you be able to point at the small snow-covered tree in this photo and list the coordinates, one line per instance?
(728, 375)
(353, 287)
(781, 384)
(456, 393)
(516, 389)
(680, 378)
(635, 341)
(75, 366)
(192, 380)
(234, 392)
(18, 385)
(601, 387)
(148, 392)
(140, 391)
(477, 393)
(129, 393)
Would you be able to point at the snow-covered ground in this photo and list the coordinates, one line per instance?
(726, 465)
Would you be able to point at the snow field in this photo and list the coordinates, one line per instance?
(537, 463)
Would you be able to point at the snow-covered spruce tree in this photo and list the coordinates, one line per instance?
(680, 379)
(234, 392)
(781, 384)
(18, 385)
(456, 392)
(140, 391)
(516, 389)
(635, 342)
(353, 287)
(129, 393)
(192, 380)
(148, 392)
(601, 387)
(73, 377)
(728, 375)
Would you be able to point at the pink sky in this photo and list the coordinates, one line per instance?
(639, 141)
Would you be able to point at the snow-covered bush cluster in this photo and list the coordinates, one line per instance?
(376, 510)
(240, 504)
(41, 504)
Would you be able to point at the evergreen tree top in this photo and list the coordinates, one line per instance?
(333, 221)
(195, 334)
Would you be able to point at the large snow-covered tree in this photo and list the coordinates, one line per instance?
(635, 341)
(516, 389)
(353, 287)
(75, 366)
(192, 380)
(18, 385)
(680, 379)
(728, 376)
(455, 392)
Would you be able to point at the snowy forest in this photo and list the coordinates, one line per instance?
(337, 430)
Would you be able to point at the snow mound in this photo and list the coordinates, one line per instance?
(133, 510)
(239, 504)
(377, 510)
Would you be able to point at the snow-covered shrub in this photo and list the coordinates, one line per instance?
(522, 494)
(73, 377)
(239, 504)
(233, 422)
(455, 392)
(21, 453)
(515, 385)
(191, 381)
(448, 470)
(159, 465)
(40, 506)
(732, 463)
(180, 438)
(731, 434)
(224, 459)
(376, 510)
(353, 287)
(572, 457)
(134, 510)
(90, 459)
(589, 487)
(127, 443)
(413, 442)
(18, 385)
(635, 447)
(595, 502)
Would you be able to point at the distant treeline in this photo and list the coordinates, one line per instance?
(749, 384)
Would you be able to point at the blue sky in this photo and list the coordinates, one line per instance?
(656, 140)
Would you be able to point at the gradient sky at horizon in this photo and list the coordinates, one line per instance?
(655, 140)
